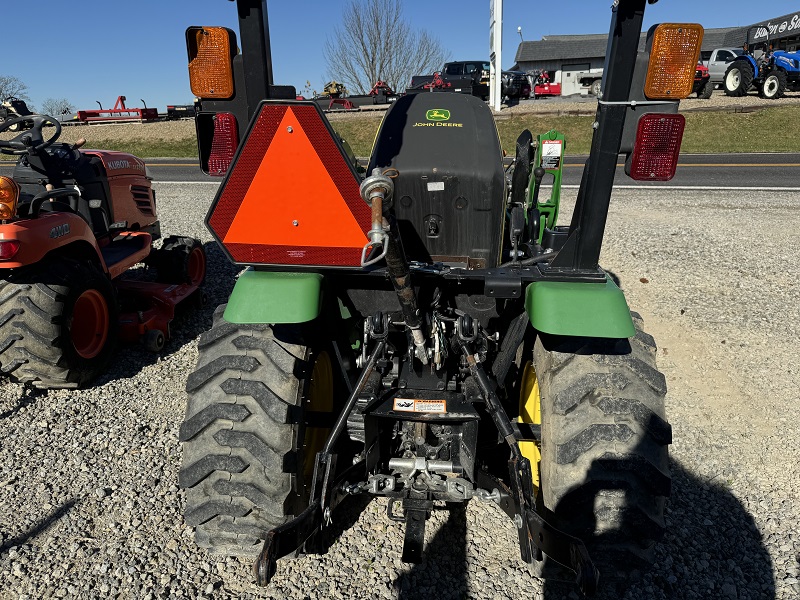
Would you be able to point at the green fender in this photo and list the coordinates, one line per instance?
(579, 309)
(274, 297)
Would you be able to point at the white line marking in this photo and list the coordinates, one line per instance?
(709, 188)
(570, 186)
(190, 182)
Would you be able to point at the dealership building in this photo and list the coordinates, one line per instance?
(571, 53)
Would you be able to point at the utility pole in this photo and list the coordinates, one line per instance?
(495, 56)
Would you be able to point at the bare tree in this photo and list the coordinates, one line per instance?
(13, 86)
(374, 42)
(57, 107)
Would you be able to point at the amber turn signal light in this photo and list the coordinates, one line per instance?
(9, 196)
(210, 67)
(673, 61)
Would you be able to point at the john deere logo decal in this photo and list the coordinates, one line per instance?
(438, 114)
(440, 118)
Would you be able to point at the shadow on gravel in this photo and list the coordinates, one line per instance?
(443, 571)
(41, 526)
(29, 396)
(347, 513)
(190, 320)
(712, 549)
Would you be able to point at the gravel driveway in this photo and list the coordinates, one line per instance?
(90, 508)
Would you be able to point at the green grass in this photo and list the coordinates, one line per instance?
(186, 148)
(359, 133)
(767, 130)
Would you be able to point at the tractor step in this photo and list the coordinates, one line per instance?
(125, 251)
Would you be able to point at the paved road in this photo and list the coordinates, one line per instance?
(717, 171)
(714, 170)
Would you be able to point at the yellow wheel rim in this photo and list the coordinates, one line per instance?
(318, 400)
(530, 412)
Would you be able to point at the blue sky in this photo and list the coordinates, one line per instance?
(87, 50)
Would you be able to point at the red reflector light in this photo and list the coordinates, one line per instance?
(658, 144)
(223, 145)
(8, 249)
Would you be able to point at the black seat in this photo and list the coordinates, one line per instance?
(450, 190)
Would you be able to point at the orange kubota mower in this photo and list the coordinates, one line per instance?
(73, 222)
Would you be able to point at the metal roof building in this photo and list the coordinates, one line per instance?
(583, 52)
(784, 32)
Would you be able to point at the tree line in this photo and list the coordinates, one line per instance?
(14, 87)
(374, 41)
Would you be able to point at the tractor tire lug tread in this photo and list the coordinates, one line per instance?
(271, 460)
(270, 402)
(241, 435)
(14, 312)
(193, 426)
(6, 343)
(198, 471)
(254, 494)
(35, 306)
(605, 468)
(205, 512)
(204, 374)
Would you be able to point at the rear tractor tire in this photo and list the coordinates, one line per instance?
(57, 324)
(181, 260)
(738, 78)
(248, 455)
(604, 473)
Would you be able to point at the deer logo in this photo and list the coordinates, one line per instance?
(438, 114)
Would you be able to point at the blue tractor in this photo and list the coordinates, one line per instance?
(771, 72)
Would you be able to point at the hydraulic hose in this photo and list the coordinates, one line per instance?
(533, 260)
(400, 275)
(377, 190)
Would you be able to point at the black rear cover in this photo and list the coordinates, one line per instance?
(449, 196)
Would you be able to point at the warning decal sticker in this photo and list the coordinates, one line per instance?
(420, 406)
(551, 154)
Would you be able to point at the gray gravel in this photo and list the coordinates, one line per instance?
(90, 508)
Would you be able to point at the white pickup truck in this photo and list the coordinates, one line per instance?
(718, 61)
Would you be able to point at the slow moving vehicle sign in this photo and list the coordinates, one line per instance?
(292, 195)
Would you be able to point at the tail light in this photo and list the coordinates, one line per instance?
(9, 196)
(8, 249)
(658, 145)
(673, 61)
(210, 70)
(654, 130)
(223, 145)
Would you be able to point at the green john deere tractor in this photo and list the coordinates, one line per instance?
(427, 332)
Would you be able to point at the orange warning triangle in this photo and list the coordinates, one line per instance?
(292, 200)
